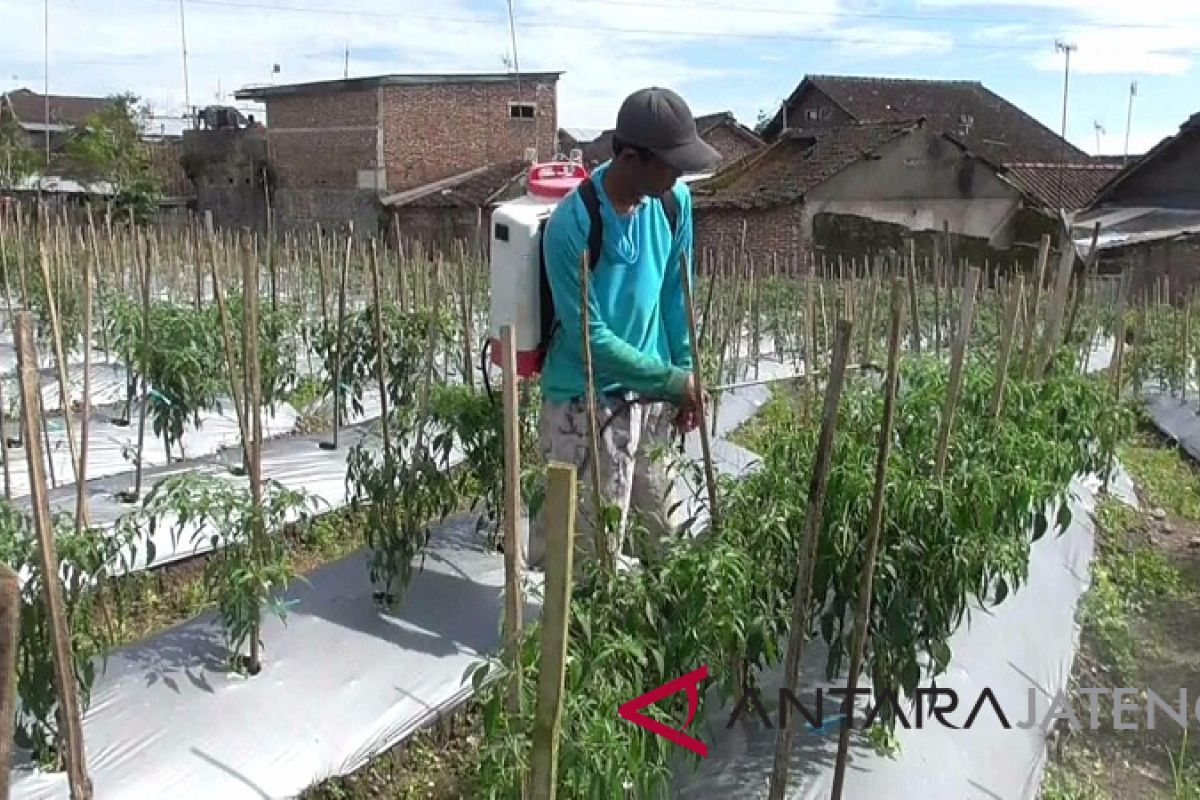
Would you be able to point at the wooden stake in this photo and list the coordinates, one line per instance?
(60, 359)
(137, 477)
(958, 355)
(336, 378)
(10, 624)
(601, 534)
(81, 505)
(812, 532)
(710, 478)
(1050, 338)
(60, 635)
(914, 309)
(468, 328)
(1119, 346)
(254, 394)
(234, 378)
(556, 608)
(874, 525)
(1006, 342)
(512, 511)
(1035, 308)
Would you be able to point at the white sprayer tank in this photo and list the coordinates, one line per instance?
(515, 259)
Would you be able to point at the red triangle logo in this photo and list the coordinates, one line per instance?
(689, 683)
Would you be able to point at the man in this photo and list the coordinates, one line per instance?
(637, 321)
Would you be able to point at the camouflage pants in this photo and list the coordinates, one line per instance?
(636, 472)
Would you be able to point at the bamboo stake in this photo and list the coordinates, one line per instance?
(254, 393)
(81, 505)
(321, 277)
(957, 357)
(812, 529)
(512, 509)
(381, 358)
(1050, 339)
(136, 492)
(60, 359)
(547, 721)
(1016, 292)
(1119, 345)
(868, 339)
(468, 328)
(874, 525)
(1035, 308)
(914, 309)
(601, 535)
(10, 623)
(235, 380)
(60, 635)
(336, 378)
(710, 479)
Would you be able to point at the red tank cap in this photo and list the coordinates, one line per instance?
(555, 179)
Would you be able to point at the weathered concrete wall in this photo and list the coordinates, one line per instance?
(441, 230)
(227, 169)
(1178, 261)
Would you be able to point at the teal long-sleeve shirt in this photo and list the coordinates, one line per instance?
(637, 319)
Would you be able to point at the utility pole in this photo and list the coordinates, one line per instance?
(46, 77)
(1129, 120)
(187, 96)
(512, 31)
(1068, 48)
(1099, 132)
(346, 68)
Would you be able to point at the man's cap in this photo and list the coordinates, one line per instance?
(658, 120)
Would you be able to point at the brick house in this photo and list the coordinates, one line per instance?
(861, 189)
(721, 130)
(67, 113)
(338, 146)
(1149, 215)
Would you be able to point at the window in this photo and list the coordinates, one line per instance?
(811, 115)
(521, 110)
(821, 114)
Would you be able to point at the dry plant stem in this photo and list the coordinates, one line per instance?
(710, 478)
(10, 612)
(468, 328)
(874, 525)
(60, 359)
(601, 534)
(512, 510)
(322, 282)
(336, 378)
(552, 669)
(706, 321)
(1016, 291)
(60, 634)
(804, 569)
(958, 356)
(1035, 308)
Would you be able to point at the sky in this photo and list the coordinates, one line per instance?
(743, 56)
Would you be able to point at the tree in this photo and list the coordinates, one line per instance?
(109, 147)
(17, 159)
(764, 119)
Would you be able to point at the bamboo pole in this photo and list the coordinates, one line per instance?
(136, 492)
(710, 478)
(601, 534)
(254, 393)
(10, 624)
(468, 328)
(512, 510)
(60, 359)
(381, 358)
(1035, 308)
(555, 630)
(336, 379)
(957, 358)
(812, 529)
(235, 380)
(914, 309)
(1050, 338)
(71, 727)
(81, 504)
(1016, 291)
(874, 525)
(1119, 344)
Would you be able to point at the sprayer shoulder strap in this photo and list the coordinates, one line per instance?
(591, 201)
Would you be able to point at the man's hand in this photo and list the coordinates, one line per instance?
(687, 419)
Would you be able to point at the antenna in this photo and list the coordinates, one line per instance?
(346, 69)
(1099, 132)
(187, 97)
(1129, 120)
(516, 63)
(1068, 48)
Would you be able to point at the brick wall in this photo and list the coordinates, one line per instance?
(324, 109)
(304, 210)
(434, 131)
(323, 140)
(1177, 261)
(768, 231)
(729, 144)
(439, 230)
(226, 169)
